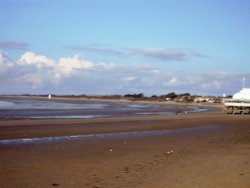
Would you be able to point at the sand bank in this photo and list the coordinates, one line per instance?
(212, 158)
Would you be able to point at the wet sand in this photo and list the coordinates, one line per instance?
(216, 157)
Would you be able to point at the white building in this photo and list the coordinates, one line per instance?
(49, 96)
(240, 104)
(244, 94)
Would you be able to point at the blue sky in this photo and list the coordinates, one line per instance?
(119, 47)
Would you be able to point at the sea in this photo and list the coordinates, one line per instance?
(36, 108)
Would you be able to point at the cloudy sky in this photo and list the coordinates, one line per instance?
(119, 47)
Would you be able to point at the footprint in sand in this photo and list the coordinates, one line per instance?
(126, 170)
(55, 184)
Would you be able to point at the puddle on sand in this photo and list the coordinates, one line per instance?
(56, 139)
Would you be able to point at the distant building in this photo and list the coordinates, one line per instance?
(201, 99)
(239, 104)
(49, 96)
(244, 94)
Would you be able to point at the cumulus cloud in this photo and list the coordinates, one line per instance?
(34, 73)
(12, 45)
(29, 58)
(69, 65)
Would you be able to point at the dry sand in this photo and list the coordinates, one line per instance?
(209, 158)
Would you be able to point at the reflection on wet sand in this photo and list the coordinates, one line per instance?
(50, 140)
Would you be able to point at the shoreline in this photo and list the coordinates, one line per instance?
(123, 100)
(121, 108)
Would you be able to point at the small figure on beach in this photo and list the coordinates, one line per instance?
(178, 112)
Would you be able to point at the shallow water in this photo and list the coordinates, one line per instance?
(70, 117)
(44, 104)
(24, 108)
(100, 136)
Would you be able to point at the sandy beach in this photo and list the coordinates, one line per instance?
(196, 150)
(124, 94)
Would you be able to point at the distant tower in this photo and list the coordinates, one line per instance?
(49, 96)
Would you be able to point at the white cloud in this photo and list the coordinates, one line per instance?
(105, 66)
(129, 78)
(75, 75)
(156, 71)
(213, 85)
(67, 66)
(5, 62)
(35, 79)
(29, 58)
(173, 81)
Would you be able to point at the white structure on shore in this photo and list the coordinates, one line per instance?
(243, 95)
(49, 96)
(239, 104)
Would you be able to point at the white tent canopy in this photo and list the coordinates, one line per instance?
(244, 94)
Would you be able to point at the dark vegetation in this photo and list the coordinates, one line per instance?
(172, 96)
